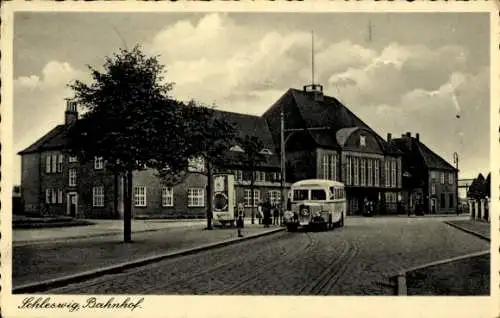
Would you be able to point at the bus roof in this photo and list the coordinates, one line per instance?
(317, 183)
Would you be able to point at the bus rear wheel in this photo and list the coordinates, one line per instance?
(291, 227)
(340, 223)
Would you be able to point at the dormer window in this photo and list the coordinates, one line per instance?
(362, 141)
(196, 164)
(236, 148)
(266, 152)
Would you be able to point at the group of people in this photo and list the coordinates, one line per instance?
(268, 213)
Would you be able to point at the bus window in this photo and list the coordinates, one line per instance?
(332, 193)
(318, 195)
(300, 195)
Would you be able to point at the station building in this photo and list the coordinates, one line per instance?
(324, 140)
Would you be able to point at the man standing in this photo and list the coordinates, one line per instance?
(266, 208)
(260, 215)
(239, 221)
(275, 214)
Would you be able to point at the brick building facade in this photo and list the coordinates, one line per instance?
(430, 183)
(54, 183)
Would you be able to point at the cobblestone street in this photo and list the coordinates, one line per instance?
(355, 260)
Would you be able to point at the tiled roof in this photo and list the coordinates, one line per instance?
(420, 155)
(328, 112)
(249, 125)
(245, 125)
(54, 139)
(433, 160)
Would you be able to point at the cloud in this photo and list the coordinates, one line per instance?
(39, 100)
(39, 104)
(433, 115)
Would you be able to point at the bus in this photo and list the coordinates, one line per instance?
(316, 202)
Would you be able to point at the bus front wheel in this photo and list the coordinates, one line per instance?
(330, 223)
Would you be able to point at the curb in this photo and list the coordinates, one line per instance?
(47, 225)
(114, 269)
(481, 236)
(401, 287)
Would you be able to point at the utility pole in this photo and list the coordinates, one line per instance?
(282, 163)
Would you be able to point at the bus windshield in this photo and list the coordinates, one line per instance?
(319, 195)
(300, 195)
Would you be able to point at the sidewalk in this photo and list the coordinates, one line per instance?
(35, 263)
(99, 228)
(468, 276)
(480, 229)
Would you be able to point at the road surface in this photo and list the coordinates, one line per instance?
(354, 260)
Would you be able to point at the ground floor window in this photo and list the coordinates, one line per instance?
(196, 197)
(391, 197)
(167, 196)
(98, 196)
(248, 198)
(140, 196)
(53, 196)
(274, 196)
(452, 201)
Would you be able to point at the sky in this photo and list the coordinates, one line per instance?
(399, 72)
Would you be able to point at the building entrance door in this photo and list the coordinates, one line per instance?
(433, 206)
(72, 206)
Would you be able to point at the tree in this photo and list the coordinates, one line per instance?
(129, 116)
(251, 159)
(209, 141)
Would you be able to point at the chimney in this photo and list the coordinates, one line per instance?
(417, 136)
(389, 137)
(71, 113)
(408, 140)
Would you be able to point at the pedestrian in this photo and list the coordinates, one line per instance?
(241, 211)
(275, 214)
(239, 222)
(266, 209)
(260, 215)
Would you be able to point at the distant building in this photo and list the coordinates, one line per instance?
(479, 198)
(429, 181)
(463, 188)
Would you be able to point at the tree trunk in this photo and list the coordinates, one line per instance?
(115, 195)
(209, 196)
(127, 213)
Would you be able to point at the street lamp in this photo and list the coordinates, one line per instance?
(455, 160)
